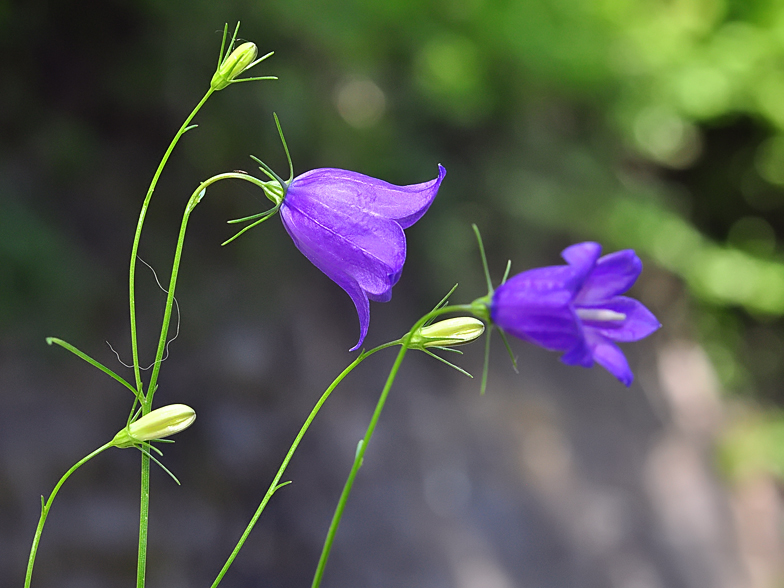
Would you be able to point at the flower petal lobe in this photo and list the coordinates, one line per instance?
(613, 274)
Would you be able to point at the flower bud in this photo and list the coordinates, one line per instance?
(158, 424)
(449, 332)
(233, 65)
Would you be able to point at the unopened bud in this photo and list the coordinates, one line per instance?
(157, 424)
(233, 65)
(449, 332)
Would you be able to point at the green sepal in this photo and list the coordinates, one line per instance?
(449, 363)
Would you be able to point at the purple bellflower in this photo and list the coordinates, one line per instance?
(577, 308)
(350, 226)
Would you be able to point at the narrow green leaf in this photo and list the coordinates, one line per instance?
(485, 367)
(450, 349)
(450, 364)
(163, 467)
(279, 486)
(443, 301)
(506, 271)
(285, 147)
(223, 44)
(235, 221)
(249, 227)
(253, 79)
(484, 259)
(509, 350)
(93, 362)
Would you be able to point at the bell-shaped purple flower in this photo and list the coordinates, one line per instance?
(350, 226)
(577, 308)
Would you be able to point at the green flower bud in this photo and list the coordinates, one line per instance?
(449, 332)
(233, 65)
(157, 424)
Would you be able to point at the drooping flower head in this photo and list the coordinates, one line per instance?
(350, 226)
(577, 308)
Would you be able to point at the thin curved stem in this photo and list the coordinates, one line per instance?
(144, 521)
(137, 237)
(45, 507)
(195, 198)
(274, 485)
(362, 448)
(141, 562)
(144, 508)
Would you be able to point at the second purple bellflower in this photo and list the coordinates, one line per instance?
(577, 308)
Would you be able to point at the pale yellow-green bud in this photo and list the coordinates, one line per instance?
(449, 332)
(233, 65)
(157, 424)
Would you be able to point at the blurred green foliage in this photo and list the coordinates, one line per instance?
(649, 124)
(657, 125)
(754, 444)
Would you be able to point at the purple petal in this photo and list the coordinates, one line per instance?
(581, 354)
(534, 305)
(582, 258)
(551, 331)
(640, 322)
(613, 274)
(383, 297)
(542, 281)
(345, 190)
(364, 255)
(362, 305)
(610, 357)
(370, 249)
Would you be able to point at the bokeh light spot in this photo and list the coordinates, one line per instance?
(753, 234)
(667, 138)
(770, 160)
(360, 102)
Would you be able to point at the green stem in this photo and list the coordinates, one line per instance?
(153, 384)
(137, 237)
(358, 458)
(144, 521)
(274, 485)
(48, 505)
(167, 312)
(362, 448)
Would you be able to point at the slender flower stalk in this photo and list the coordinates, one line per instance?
(464, 329)
(230, 65)
(146, 403)
(405, 345)
(46, 507)
(275, 485)
(195, 198)
(137, 236)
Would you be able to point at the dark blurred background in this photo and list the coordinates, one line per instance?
(656, 125)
